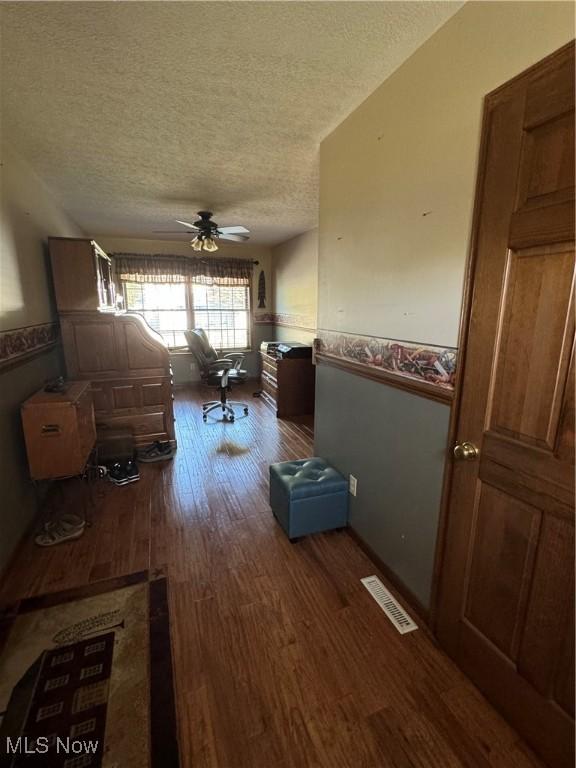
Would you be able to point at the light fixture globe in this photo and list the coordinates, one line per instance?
(204, 242)
(210, 244)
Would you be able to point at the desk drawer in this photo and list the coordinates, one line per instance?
(271, 369)
(269, 386)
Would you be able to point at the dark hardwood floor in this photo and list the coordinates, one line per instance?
(281, 657)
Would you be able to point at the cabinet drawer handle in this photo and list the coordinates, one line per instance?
(51, 429)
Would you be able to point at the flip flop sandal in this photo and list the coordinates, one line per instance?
(68, 521)
(57, 535)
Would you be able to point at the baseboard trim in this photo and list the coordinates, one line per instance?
(408, 598)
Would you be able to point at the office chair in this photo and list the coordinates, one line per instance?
(220, 372)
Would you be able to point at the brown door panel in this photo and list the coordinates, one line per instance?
(506, 600)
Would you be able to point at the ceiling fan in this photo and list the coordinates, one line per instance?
(207, 232)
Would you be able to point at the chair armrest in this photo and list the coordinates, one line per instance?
(238, 357)
(220, 364)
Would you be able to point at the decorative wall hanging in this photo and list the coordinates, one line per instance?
(262, 290)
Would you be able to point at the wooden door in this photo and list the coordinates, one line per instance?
(506, 598)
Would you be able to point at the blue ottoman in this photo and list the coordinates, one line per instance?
(308, 496)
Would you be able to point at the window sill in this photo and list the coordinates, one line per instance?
(178, 352)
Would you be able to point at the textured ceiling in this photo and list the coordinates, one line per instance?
(138, 113)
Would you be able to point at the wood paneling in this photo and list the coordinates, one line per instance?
(535, 345)
(142, 352)
(281, 657)
(124, 396)
(541, 658)
(74, 274)
(95, 351)
(505, 539)
(544, 211)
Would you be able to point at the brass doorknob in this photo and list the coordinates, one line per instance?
(466, 451)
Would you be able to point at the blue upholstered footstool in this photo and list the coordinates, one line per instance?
(308, 496)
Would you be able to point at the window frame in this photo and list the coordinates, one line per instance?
(190, 314)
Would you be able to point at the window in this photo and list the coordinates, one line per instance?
(163, 306)
(92, 671)
(94, 648)
(56, 682)
(171, 308)
(222, 310)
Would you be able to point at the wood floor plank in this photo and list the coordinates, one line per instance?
(281, 657)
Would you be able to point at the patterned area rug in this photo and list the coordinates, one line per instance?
(86, 678)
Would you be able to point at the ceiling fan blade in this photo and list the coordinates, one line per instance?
(236, 238)
(173, 232)
(186, 224)
(233, 230)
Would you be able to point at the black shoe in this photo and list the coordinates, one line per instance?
(117, 474)
(132, 473)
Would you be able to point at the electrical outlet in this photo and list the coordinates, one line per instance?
(352, 485)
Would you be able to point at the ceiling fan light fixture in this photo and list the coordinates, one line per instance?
(204, 242)
(210, 244)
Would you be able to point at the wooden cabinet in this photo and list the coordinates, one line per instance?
(126, 362)
(59, 431)
(83, 275)
(288, 385)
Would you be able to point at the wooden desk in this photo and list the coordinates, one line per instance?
(288, 385)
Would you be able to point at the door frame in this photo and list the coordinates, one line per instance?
(490, 100)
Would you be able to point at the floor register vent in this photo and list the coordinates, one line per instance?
(395, 612)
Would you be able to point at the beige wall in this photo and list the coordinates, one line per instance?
(397, 176)
(28, 215)
(295, 286)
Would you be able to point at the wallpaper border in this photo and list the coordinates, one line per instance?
(286, 319)
(19, 344)
(425, 369)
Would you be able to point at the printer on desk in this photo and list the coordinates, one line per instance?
(286, 349)
(293, 349)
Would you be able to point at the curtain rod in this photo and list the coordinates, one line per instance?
(217, 258)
